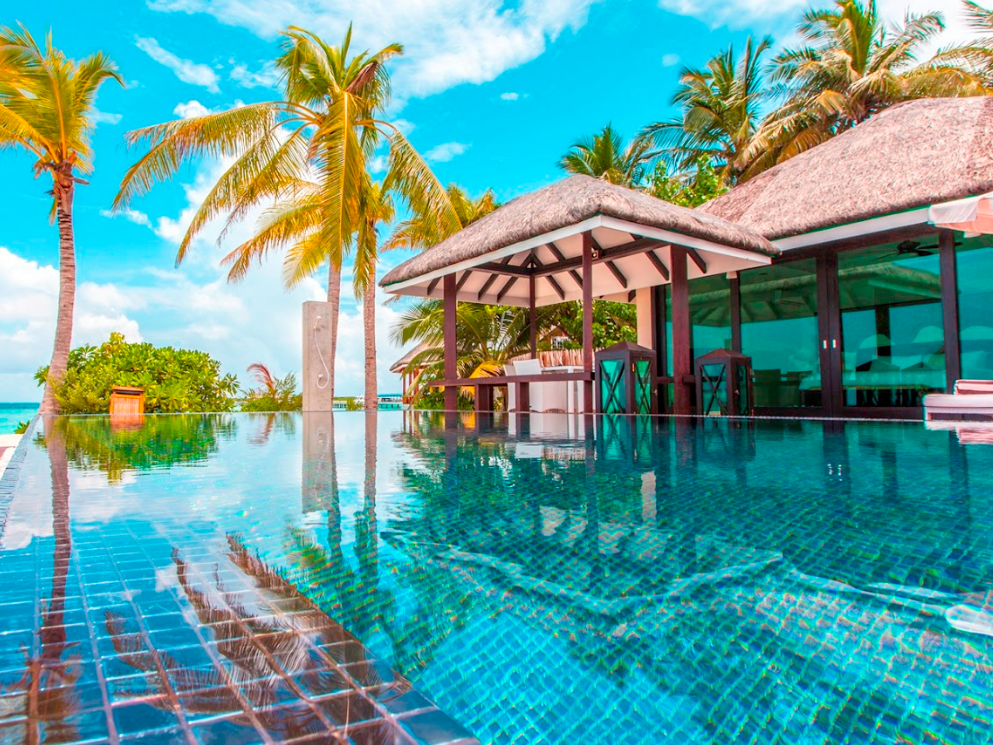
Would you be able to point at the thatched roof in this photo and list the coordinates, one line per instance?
(401, 364)
(565, 204)
(911, 155)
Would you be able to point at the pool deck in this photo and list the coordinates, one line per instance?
(7, 445)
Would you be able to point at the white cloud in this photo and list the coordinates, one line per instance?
(510, 96)
(186, 70)
(668, 60)
(377, 164)
(104, 117)
(445, 152)
(266, 77)
(131, 215)
(190, 110)
(447, 42)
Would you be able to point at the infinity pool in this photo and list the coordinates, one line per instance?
(388, 579)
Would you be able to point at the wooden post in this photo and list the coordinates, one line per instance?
(533, 319)
(451, 350)
(682, 363)
(735, 286)
(950, 307)
(588, 319)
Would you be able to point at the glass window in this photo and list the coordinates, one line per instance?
(710, 314)
(779, 332)
(975, 276)
(893, 344)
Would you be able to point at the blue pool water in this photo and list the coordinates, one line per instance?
(388, 579)
(13, 414)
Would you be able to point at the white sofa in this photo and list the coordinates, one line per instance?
(971, 399)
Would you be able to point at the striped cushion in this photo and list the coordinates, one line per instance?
(966, 387)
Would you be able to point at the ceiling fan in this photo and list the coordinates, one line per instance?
(914, 248)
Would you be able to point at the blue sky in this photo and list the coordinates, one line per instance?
(492, 91)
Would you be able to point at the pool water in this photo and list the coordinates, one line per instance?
(12, 415)
(546, 579)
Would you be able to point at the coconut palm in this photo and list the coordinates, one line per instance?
(46, 108)
(849, 67)
(304, 157)
(422, 231)
(720, 112)
(605, 156)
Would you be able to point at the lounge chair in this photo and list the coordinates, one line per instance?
(972, 399)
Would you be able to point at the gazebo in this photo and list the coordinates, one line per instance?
(580, 239)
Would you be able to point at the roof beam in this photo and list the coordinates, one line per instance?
(641, 245)
(697, 259)
(510, 283)
(486, 285)
(432, 284)
(617, 274)
(660, 267)
(560, 257)
(504, 268)
(463, 279)
(536, 263)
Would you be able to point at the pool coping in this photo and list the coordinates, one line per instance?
(11, 473)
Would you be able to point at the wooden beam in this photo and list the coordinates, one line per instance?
(451, 349)
(486, 285)
(587, 258)
(697, 259)
(617, 274)
(556, 286)
(503, 291)
(950, 306)
(532, 318)
(432, 284)
(735, 299)
(504, 268)
(560, 257)
(682, 363)
(657, 263)
(641, 245)
(463, 279)
(632, 295)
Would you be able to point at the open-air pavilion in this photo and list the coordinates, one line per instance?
(580, 239)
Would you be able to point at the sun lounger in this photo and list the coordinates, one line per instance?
(972, 399)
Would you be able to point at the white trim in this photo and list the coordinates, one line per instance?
(855, 229)
(597, 221)
(514, 248)
(684, 240)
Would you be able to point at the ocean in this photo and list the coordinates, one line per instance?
(11, 414)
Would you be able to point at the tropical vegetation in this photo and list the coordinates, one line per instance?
(174, 380)
(305, 159)
(271, 393)
(46, 109)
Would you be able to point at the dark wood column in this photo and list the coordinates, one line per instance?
(735, 285)
(682, 363)
(533, 320)
(950, 306)
(451, 349)
(588, 320)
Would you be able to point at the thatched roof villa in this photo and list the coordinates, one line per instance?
(856, 277)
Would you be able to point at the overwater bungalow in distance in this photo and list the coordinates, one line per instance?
(857, 276)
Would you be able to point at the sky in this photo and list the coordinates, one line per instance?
(491, 91)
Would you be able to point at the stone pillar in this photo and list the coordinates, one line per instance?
(316, 377)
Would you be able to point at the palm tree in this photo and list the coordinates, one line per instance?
(604, 156)
(422, 231)
(850, 67)
(721, 109)
(46, 107)
(305, 156)
(376, 207)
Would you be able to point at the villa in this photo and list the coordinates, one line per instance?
(855, 276)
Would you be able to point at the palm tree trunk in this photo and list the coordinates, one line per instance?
(67, 297)
(334, 300)
(369, 331)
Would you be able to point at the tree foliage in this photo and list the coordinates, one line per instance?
(174, 380)
(271, 393)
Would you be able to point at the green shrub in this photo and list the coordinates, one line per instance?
(279, 394)
(174, 380)
(22, 427)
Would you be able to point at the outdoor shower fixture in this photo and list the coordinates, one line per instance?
(316, 338)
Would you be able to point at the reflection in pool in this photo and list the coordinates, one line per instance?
(528, 579)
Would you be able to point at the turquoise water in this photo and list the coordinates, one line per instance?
(528, 580)
(12, 414)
